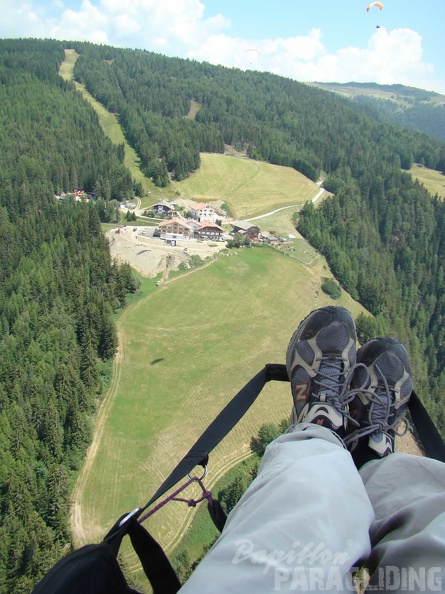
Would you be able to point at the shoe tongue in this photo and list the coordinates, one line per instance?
(330, 372)
(380, 409)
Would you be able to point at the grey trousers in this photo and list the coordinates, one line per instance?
(310, 519)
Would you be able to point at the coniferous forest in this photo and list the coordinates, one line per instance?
(58, 291)
(382, 234)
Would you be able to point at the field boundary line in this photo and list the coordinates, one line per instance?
(77, 530)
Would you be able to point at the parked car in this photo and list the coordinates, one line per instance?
(156, 233)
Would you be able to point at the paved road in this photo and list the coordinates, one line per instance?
(314, 199)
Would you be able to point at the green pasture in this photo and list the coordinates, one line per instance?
(280, 222)
(67, 66)
(249, 187)
(434, 181)
(185, 349)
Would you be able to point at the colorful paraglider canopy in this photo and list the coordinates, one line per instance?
(377, 4)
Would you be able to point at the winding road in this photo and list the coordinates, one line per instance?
(314, 199)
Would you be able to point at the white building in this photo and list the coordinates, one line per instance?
(203, 212)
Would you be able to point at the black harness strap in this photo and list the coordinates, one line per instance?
(240, 404)
(221, 426)
(154, 561)
(429, 436)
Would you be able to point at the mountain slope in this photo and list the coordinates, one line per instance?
(272, 118)
(382, 234)
(407, 107)
(58, 291)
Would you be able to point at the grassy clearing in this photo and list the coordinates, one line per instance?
(249, 187)
(434, 181)
(194, 108)
(67, 66)
(185, 350)
(280, 221)
(111, 127)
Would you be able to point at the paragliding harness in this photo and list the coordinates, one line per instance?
(95, 569)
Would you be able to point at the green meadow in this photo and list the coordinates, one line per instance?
(249, 187)
(434, 181)
(185, 350)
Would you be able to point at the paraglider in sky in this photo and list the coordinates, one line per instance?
(253, 54)
(376, 4)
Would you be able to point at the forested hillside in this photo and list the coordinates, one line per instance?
(382, 234)
(58, 290)
(407, 107)
(420, 117)
(275, 119)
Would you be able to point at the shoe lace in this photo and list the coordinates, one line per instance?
(332, 385)
(382, 417)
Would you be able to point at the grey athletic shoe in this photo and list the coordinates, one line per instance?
(319, 359)
(381, 386)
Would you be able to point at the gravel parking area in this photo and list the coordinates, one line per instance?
(148, 254)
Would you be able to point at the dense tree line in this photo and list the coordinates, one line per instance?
(275, 119)
(58, 291)
(151, 113)
(50, 137)
(383, 236)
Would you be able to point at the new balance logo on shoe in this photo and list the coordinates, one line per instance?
(319, 358)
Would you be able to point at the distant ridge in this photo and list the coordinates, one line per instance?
(407, 107)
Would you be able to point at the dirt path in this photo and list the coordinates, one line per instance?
(79, 536)
(78, 533)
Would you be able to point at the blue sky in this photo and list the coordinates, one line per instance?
(314, 40)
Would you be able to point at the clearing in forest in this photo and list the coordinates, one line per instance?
(248, 187)
(434, 181)
(112, 129)
(184, 351)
